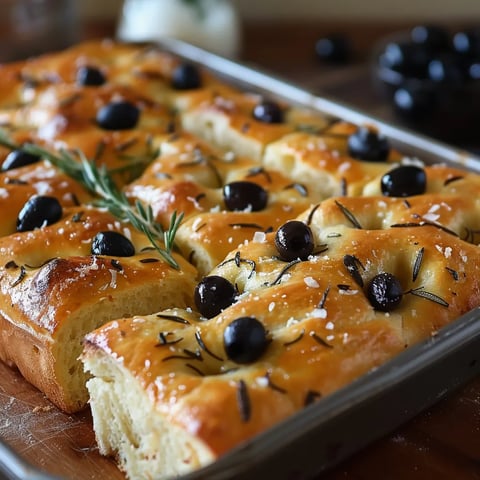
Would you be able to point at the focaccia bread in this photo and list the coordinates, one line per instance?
(225, 198)
(55, 286)
(306, 250)
(296, 331)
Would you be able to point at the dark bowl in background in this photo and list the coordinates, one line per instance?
(434, 90)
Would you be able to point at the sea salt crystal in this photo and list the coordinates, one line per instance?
(319, 313)
(431, 217)
(311, 282)
(259, 237)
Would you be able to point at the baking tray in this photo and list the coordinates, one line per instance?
(328, 431)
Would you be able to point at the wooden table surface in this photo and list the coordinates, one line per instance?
(441, 443)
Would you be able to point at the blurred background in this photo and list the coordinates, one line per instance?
(385, 10)
(360, 53)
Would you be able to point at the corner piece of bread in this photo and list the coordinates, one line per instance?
(53, 291)
(127, 423)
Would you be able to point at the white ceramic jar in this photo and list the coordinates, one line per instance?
(210, 24)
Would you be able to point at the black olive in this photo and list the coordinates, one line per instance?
(447, 69)
(415, 101)
(90, 76)
(434, 37)
(19, 158)
(245, 340)
(467, 43)
(186, 77)
(474, 70)
(268, 112)
(405, 57)
(294, 240)
(366, 144)
(37, 212)
(118, 116)
(404, 181)
(333, 48)
(384, 292)
(113, 244)
(213, 294)
(242, 195)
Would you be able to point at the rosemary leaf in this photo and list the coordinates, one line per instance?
(98, 181)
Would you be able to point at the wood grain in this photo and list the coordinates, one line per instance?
(55, 442)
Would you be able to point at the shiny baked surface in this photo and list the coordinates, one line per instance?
(187, 150)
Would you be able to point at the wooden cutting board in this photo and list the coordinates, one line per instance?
(53, 441)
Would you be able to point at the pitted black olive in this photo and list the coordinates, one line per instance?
(38, 212)
(414, 101)
(186, 77)
(432, 37)
(268, 112)
(19, 158)
(467, 42)
(405, 57)
(333, 48)
(242, 195)
(404, 181)
(294, 240)
(366, 144)
(90, 76)
(447, 69)
(118, 116)
(213, 294)
(245, 340)
(113, 244)
(384, 292)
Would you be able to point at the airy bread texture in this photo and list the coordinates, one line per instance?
(53, 291)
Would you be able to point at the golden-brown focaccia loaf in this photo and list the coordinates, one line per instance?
(321, 160)
(450, 202)
(62, 280)
(225, 199)
(192, 177)
(383, 252)
(246, 124)
(295, 330)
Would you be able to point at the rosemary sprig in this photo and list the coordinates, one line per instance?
(99, 182)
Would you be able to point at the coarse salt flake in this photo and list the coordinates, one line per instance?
(311, 282)
(259, 237)
(262, 381)
(431, 217)
(319, 313)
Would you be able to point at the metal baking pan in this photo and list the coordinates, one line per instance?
(328, 431)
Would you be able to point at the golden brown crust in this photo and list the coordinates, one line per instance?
(146, 344)
(53, 290)
(319, 319)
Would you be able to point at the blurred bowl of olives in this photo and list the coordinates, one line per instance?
(431, 77)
